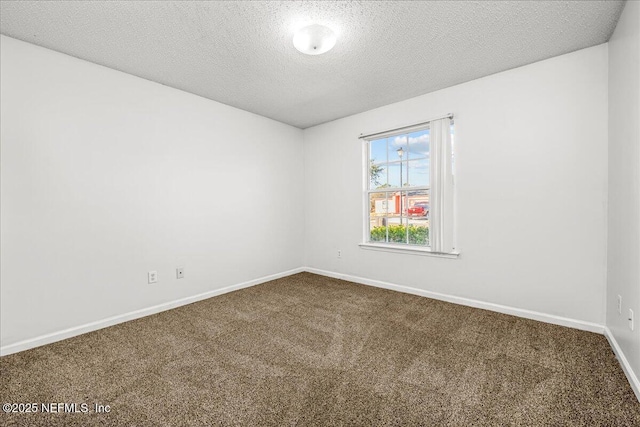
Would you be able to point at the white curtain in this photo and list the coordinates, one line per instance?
(441, 197)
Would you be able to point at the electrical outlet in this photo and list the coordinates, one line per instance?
(631, 319)
(180, 273)
(153, 277)
(339, 253)
(619, 304)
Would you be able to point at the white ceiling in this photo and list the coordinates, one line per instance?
(241, 53)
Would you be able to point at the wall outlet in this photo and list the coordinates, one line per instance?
(339, 253)
(153, 277)
(180, 273)
(631, 319)
(619, 304)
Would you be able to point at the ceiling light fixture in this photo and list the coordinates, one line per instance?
(314, 39)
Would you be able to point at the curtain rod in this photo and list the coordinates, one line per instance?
(369, 135)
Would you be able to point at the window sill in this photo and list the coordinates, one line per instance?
(408, 250)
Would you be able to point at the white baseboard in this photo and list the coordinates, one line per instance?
(121, 318)
(626, 367)
(528, 314)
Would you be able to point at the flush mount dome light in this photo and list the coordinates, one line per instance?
(314, 39)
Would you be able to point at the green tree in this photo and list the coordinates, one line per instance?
(374, 172)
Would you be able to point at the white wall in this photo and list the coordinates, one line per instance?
(106, 176)
(624, 183)
(531, 190)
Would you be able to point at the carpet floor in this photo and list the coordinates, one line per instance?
(314, 351)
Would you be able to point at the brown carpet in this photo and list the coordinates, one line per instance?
(309, 350)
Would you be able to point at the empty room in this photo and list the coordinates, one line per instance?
(320, 213)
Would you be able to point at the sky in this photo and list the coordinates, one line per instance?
(415, 161)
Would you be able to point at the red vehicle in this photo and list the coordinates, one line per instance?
(419, 209)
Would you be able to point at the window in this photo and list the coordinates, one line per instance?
(409, 187)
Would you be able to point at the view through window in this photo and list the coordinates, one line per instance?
(398, 193)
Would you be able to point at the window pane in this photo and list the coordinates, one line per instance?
(419, 144)
(377, 176)
(419, 234)
(378, 151)
(379, 208)
(418, 172)
(397, 233)
(396, 143)
(394, 175)
(393, 211)
(397, 222)
(394, 171)
(418, 217)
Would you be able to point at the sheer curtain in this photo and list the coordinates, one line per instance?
(441, 197)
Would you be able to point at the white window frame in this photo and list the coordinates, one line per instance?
(403, 247)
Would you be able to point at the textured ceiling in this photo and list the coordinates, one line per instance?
(241, 53)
